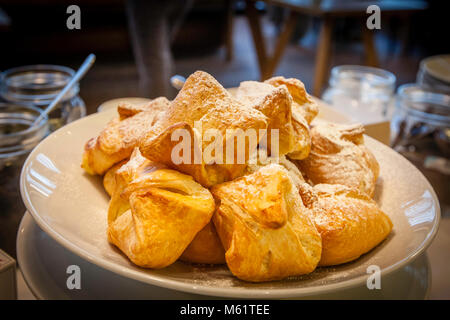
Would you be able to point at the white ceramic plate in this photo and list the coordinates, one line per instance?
(71, 207)
(43, 263)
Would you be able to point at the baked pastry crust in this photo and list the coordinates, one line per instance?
(294, 173)
(304, 105)
(304, 110)
(117, 141)
(265, 229)
(127, 110)
(156, 212)
(206, 247)
(277, 104)
(349, 222)
(109, 179)
(338, 156)
(202, 99)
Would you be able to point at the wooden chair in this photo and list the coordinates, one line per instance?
(327, 12)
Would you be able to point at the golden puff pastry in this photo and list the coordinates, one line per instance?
(206, 247)
(127, 110)
(338, 156)
(109, 179)
(164, 211)
(134, 168)
(304, 105)
(116, 142)
(203, 102)
(265, 229)
(276, 103)
(291, 168)
(349, 222)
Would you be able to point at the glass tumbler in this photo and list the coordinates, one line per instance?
(17, 139)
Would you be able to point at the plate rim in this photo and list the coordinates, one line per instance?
(231, 292)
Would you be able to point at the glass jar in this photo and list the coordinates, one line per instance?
(420, 130)
(38, 85)
(434, 74)
(359, 90)
(17, 139)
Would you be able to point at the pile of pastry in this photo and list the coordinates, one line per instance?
(309, 206)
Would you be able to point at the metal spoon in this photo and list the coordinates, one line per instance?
(87, 64)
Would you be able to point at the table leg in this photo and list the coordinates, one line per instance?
(285, 36)
(258, 39)
(369, 46)
(229, 47)
(323, 55)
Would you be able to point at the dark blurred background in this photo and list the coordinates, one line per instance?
(211, 35)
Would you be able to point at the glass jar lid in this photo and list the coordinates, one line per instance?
(438, 67)
(36, 84)
(434, 73)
